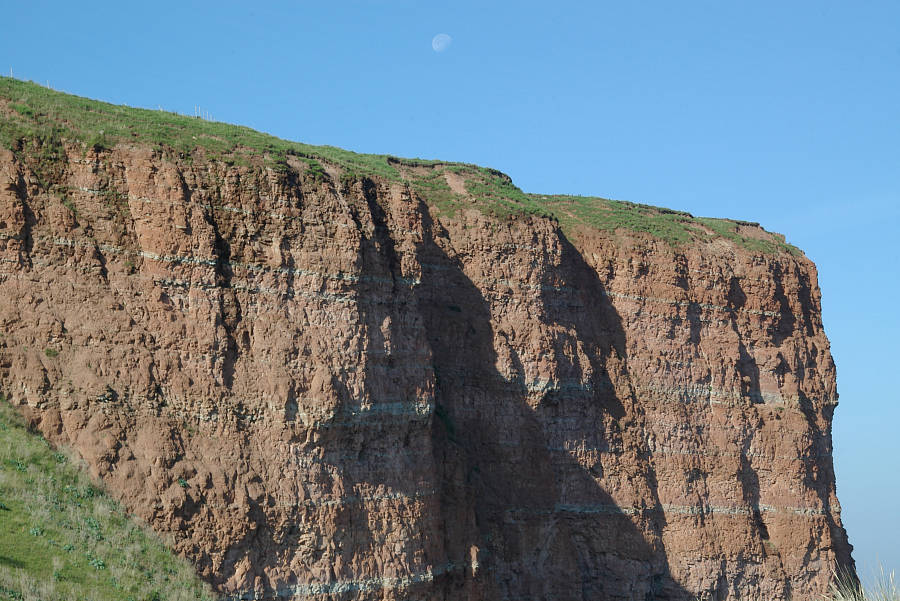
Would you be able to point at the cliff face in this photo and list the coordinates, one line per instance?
(323, 386)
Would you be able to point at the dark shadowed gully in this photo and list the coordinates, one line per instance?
(322, 385)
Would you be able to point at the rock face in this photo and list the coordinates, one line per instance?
(320, 387)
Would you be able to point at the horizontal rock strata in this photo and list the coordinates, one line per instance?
(325, 389)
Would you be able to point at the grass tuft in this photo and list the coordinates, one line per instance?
(846, 587)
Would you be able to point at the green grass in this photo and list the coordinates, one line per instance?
(677, 228)
(47, 116)
(846, 589)
(61, 537)
(37, 122)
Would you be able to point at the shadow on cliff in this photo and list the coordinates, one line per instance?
(819, 476)
(517, 516)
(823, 482)
(748, 370)
(544, 526)
(785, 325)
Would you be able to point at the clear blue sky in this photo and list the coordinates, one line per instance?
(786, 113)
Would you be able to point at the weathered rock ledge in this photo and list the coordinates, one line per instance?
(324, 387)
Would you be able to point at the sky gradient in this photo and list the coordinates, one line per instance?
(783, 113)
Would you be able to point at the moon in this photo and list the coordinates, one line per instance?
(441, 42)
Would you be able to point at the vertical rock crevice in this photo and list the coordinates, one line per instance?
(330, 389)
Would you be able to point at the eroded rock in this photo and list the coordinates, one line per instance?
(322, 389)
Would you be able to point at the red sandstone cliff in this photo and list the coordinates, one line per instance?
(324, 388)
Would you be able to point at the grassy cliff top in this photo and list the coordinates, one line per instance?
(63, 538)
(30, 112)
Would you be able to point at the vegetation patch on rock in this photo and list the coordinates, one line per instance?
(64, 538)
(37, 121)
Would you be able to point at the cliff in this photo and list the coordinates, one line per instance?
(339, 376)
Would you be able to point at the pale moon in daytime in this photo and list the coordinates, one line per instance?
(480, 363)
(441, 42)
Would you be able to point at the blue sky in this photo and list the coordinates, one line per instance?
(786, 113)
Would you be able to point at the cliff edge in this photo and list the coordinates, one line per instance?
(338, 376)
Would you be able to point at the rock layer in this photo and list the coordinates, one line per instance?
(324, 388)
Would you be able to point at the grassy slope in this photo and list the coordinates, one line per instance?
(37, 120)
(62, 538)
